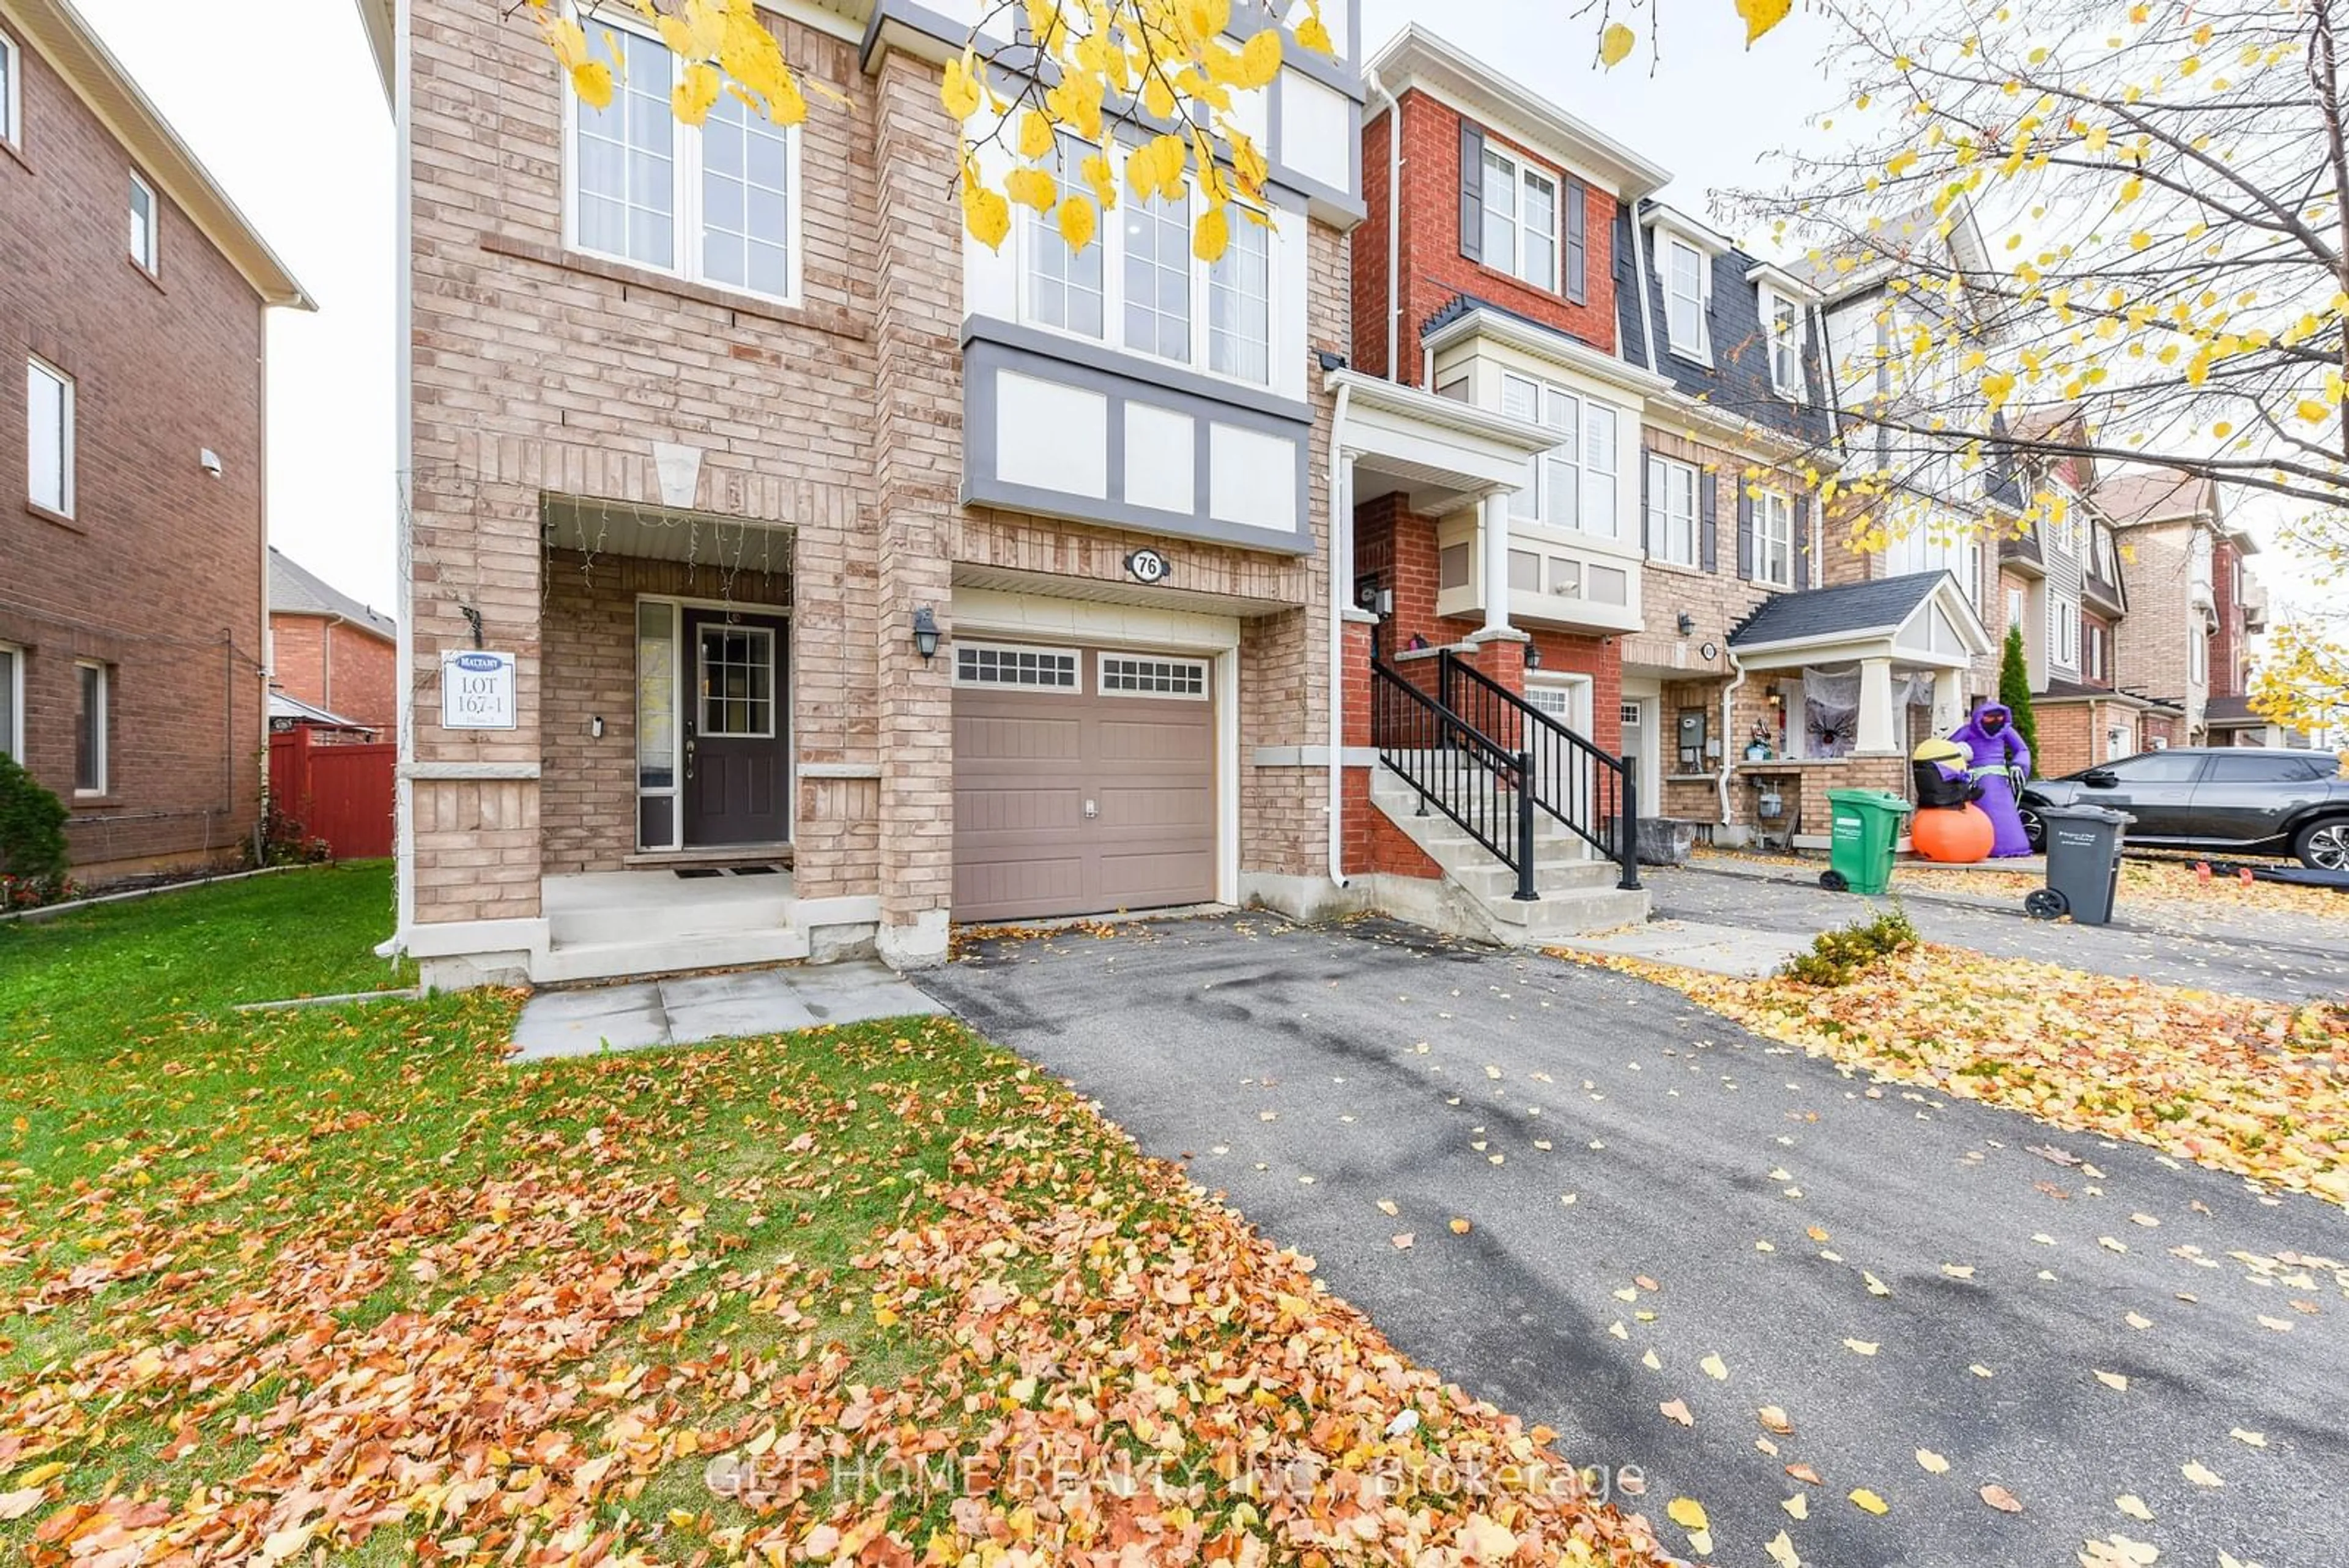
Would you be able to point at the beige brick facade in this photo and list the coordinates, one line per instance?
(834, 429)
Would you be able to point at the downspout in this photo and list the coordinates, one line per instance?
(1341, 531)
(1639, 280)
(1394, 221)
(403, 480)
(1728, 742)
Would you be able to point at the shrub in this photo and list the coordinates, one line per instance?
(286, 841)
(1837, 956)
(32, 828)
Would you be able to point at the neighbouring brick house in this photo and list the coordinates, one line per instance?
(131, 561)
(897, 578)
(328, 651)
(2184, 639)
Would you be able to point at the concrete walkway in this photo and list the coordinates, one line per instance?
(1716, 949)
(686, 1010)
(1670, 1223)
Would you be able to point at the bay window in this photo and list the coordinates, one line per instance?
(1064, 284)
(1239, 306)
(1672, 512)
(1773, 539)
(1158, 276)
(1573, 484)
(713, 203)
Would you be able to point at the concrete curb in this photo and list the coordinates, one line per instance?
(405, 993)
(57, 911)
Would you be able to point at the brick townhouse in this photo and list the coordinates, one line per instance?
(131, 561)
(329, 651)
(2187, 639)
(791, 574)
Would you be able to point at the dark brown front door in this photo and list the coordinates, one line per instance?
(737, 752)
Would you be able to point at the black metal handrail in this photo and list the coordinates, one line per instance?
(1574, 780)
(1456, 770)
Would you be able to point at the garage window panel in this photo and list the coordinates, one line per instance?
(1027, 668)
(1182, 679)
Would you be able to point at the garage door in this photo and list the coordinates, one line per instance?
(1084, 781)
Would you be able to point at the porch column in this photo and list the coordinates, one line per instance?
(1494, 528)
(1949, 700)
(1876, 732)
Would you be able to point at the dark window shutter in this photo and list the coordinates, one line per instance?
(1745, 532)
(1708, 499)
(1803, 544)
(1578, 241)
(1472, 192)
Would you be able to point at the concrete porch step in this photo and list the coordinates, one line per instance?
(1488, 879)
(630, 923)
(1576, 912)
(672, 954)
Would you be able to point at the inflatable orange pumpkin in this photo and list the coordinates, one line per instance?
(1955, 834)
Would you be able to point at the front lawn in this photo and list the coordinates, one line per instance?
(339, 1282)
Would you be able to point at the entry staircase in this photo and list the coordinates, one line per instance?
(1535, 827)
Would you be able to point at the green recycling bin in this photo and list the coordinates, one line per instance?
(1859, 845)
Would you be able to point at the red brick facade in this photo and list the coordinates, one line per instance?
(157, 575)
(337, 667)
(1433, 270)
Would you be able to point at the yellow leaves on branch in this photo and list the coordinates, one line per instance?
(722, 44)
(1761, 15)
(1615, 42)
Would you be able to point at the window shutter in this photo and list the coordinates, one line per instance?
(1708, 502)
(1744, 531)
(1472, 192)
(1577, 243)
(1803, 544)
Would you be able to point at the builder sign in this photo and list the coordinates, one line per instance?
(477, 691)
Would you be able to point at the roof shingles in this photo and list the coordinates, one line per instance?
(1825, 614)
(293, 590)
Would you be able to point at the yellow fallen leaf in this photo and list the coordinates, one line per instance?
(1979, 1370)
(1774, 1419)
(1933, 1463)
(1688, 1514)
(1860, 1346)
(1461, 1226)
(1867, 1502)
(2256, 1439)
(1799, 1505)
(1651, 1362)
(1387, 1207)
(2200, 1474)
(2112, 1380)
(1781, 1551)
(2138, 1320)
(1959, 1270)
(1715, 1368)
(42, 1474)
(2134, 1506)
(1876, 1287)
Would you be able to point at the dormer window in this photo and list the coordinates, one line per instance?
(1520, 220)
(1685, 290)
(1783, 321)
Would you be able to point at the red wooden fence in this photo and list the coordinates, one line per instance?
(340, 794)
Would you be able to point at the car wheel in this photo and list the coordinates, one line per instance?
(2324, 846)
(2034, 828)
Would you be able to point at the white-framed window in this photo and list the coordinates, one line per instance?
(1685, 267)
(736, 666)
(1520, 220)
(1671, 510)
(12, 92)
(93, 740)
(1140, 275)
(1628, 715)
(1773, 539)
(49, 436)
(1783, 318)
(146, 225)
(1573, 484)
(2091, 650)
(1017, 665)
(717, 203)
(2014, 606)
(2197, 655)
(1130, 675)
(12, 702)
(1931, 544)
(2063, 631)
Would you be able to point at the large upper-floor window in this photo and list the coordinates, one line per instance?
(1520, 220)
(1138, 285)
(146, 225)
(1773, 539)
(1671, 510)
(1930, 545)
(49, 436)
(1783, 320)
(12, 92)
(715, 204)
(1684, 299)
(2063, 631)
(1573, 484)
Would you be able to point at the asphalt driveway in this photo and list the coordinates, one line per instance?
(1647, 1187)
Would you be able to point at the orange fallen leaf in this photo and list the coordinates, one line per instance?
(1999, 1498)
(1677, 1410)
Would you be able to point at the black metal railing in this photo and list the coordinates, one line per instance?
(1594, 794)
(1454, 768)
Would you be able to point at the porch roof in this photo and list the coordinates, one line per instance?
(1440, 451)
(1918, 618)
(596, 527)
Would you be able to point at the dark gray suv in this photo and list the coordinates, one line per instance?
(2231, 800)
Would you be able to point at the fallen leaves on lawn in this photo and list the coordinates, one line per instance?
(563, 1318)
(2255, 1088)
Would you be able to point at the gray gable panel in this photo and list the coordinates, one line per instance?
(1825, 614)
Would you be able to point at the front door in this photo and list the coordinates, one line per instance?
(737, 748)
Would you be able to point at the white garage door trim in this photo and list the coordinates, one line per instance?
(1036, 617)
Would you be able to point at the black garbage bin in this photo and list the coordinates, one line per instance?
(2084, 864)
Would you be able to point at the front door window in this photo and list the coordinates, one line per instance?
(737, 682)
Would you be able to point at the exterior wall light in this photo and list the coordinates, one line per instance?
(1688, 623)
(926, 633)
